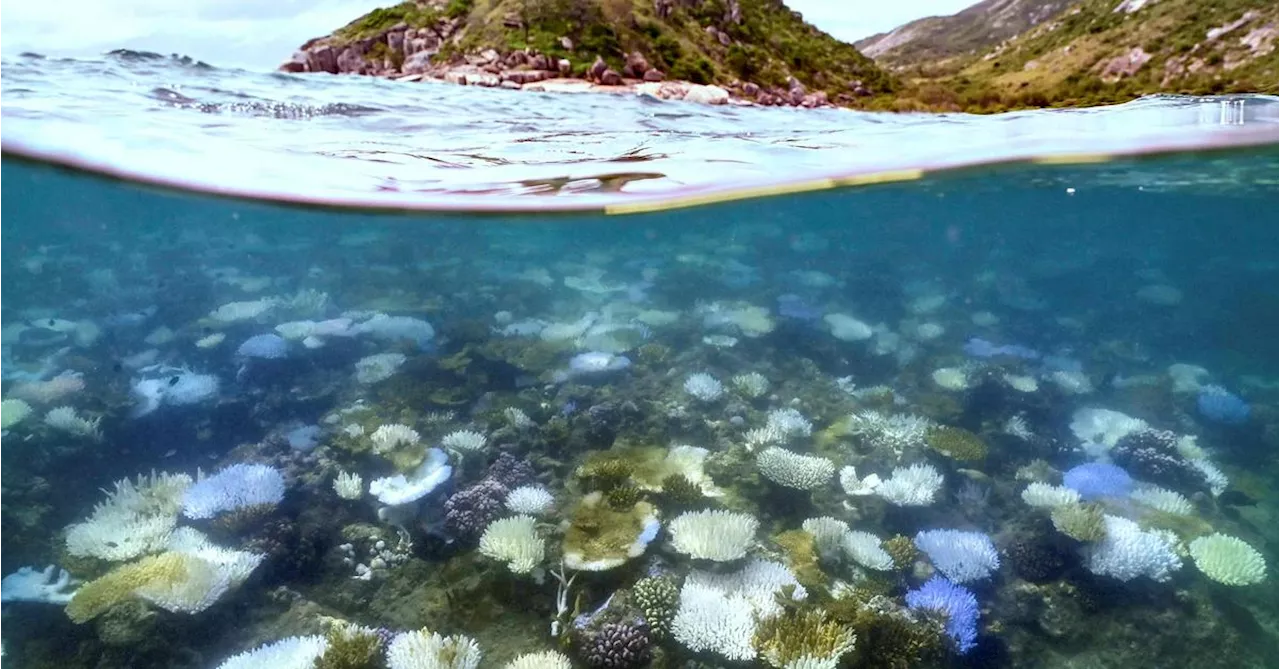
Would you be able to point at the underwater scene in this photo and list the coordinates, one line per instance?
(1009, 416)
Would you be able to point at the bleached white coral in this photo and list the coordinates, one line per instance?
(916, 485)
(951, 378)
(1076, 383)
(464, 441)
(423, 649)
(847, 328)
(135, 519)
(717, 613)
(518, 418)
(378, 367)
(1213, 477)
(236, 487)
(515, 541)
(243, 311)
(708, 620)
(897, 432)
(716, 535)
(28, 585)
(1103, 427)
(703, 386)
(759, 582)
(858, 486)
(209, 572)
(751, 384)
(533, 500)
(1044, 495)
(387, 437)
(12, 412)
(1162, 499)
(828, 533)
(67, 420)
(348, 485)
(298, 652)
(1127, 552)
(865, 549)
(547, 659)
(802, 472)
(1228, 560)
(400, 489)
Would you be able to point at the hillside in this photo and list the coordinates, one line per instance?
(1105, 51)
(757, 49)
(935, 39)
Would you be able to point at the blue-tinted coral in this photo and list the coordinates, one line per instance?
(1221, 406)
(962, 556)
(955, 603)
(1097, 480)
(470, 510)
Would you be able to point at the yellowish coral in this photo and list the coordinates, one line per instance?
(956, 443)
(1082, 522)
(600, 537)
(796, 635)
(124, 581)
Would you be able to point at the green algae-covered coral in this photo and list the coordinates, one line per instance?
(798, 634)
(623, 497)
(121, 583)
(680, 493)
(603, 473)
(657, 598)
(901, 549)
(888, 637)
(351, 647)
(1082, 522)
(600, 537)
(801, 552)
(956, 443)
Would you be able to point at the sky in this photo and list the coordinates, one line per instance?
(260, 34)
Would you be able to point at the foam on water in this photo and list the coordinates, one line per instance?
(359, 141)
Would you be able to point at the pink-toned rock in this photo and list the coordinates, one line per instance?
(653, 74)
(597, 69)
(540, 62)
(610, 78)
(395, 40)
(456, 77)
(323, 59)
(350, 61)
(636, 65)
(525, 76)
(298, 63)
(417, 63)
(489, 56)
(564, 67)
(566, 44)
(511, 85)
(482, 79)
(751, 90)
(707, 95)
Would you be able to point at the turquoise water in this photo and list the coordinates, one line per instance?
(1000, 328)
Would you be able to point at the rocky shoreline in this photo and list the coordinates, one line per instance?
(403, 53)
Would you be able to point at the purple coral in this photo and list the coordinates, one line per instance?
(511, 471)
(619, 645)
(470, 510)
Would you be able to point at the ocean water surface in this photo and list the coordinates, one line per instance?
(317, 371)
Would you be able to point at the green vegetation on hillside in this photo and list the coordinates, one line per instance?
(767, 42)
(1089, 55)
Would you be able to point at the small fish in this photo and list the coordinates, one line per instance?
(170, 453)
